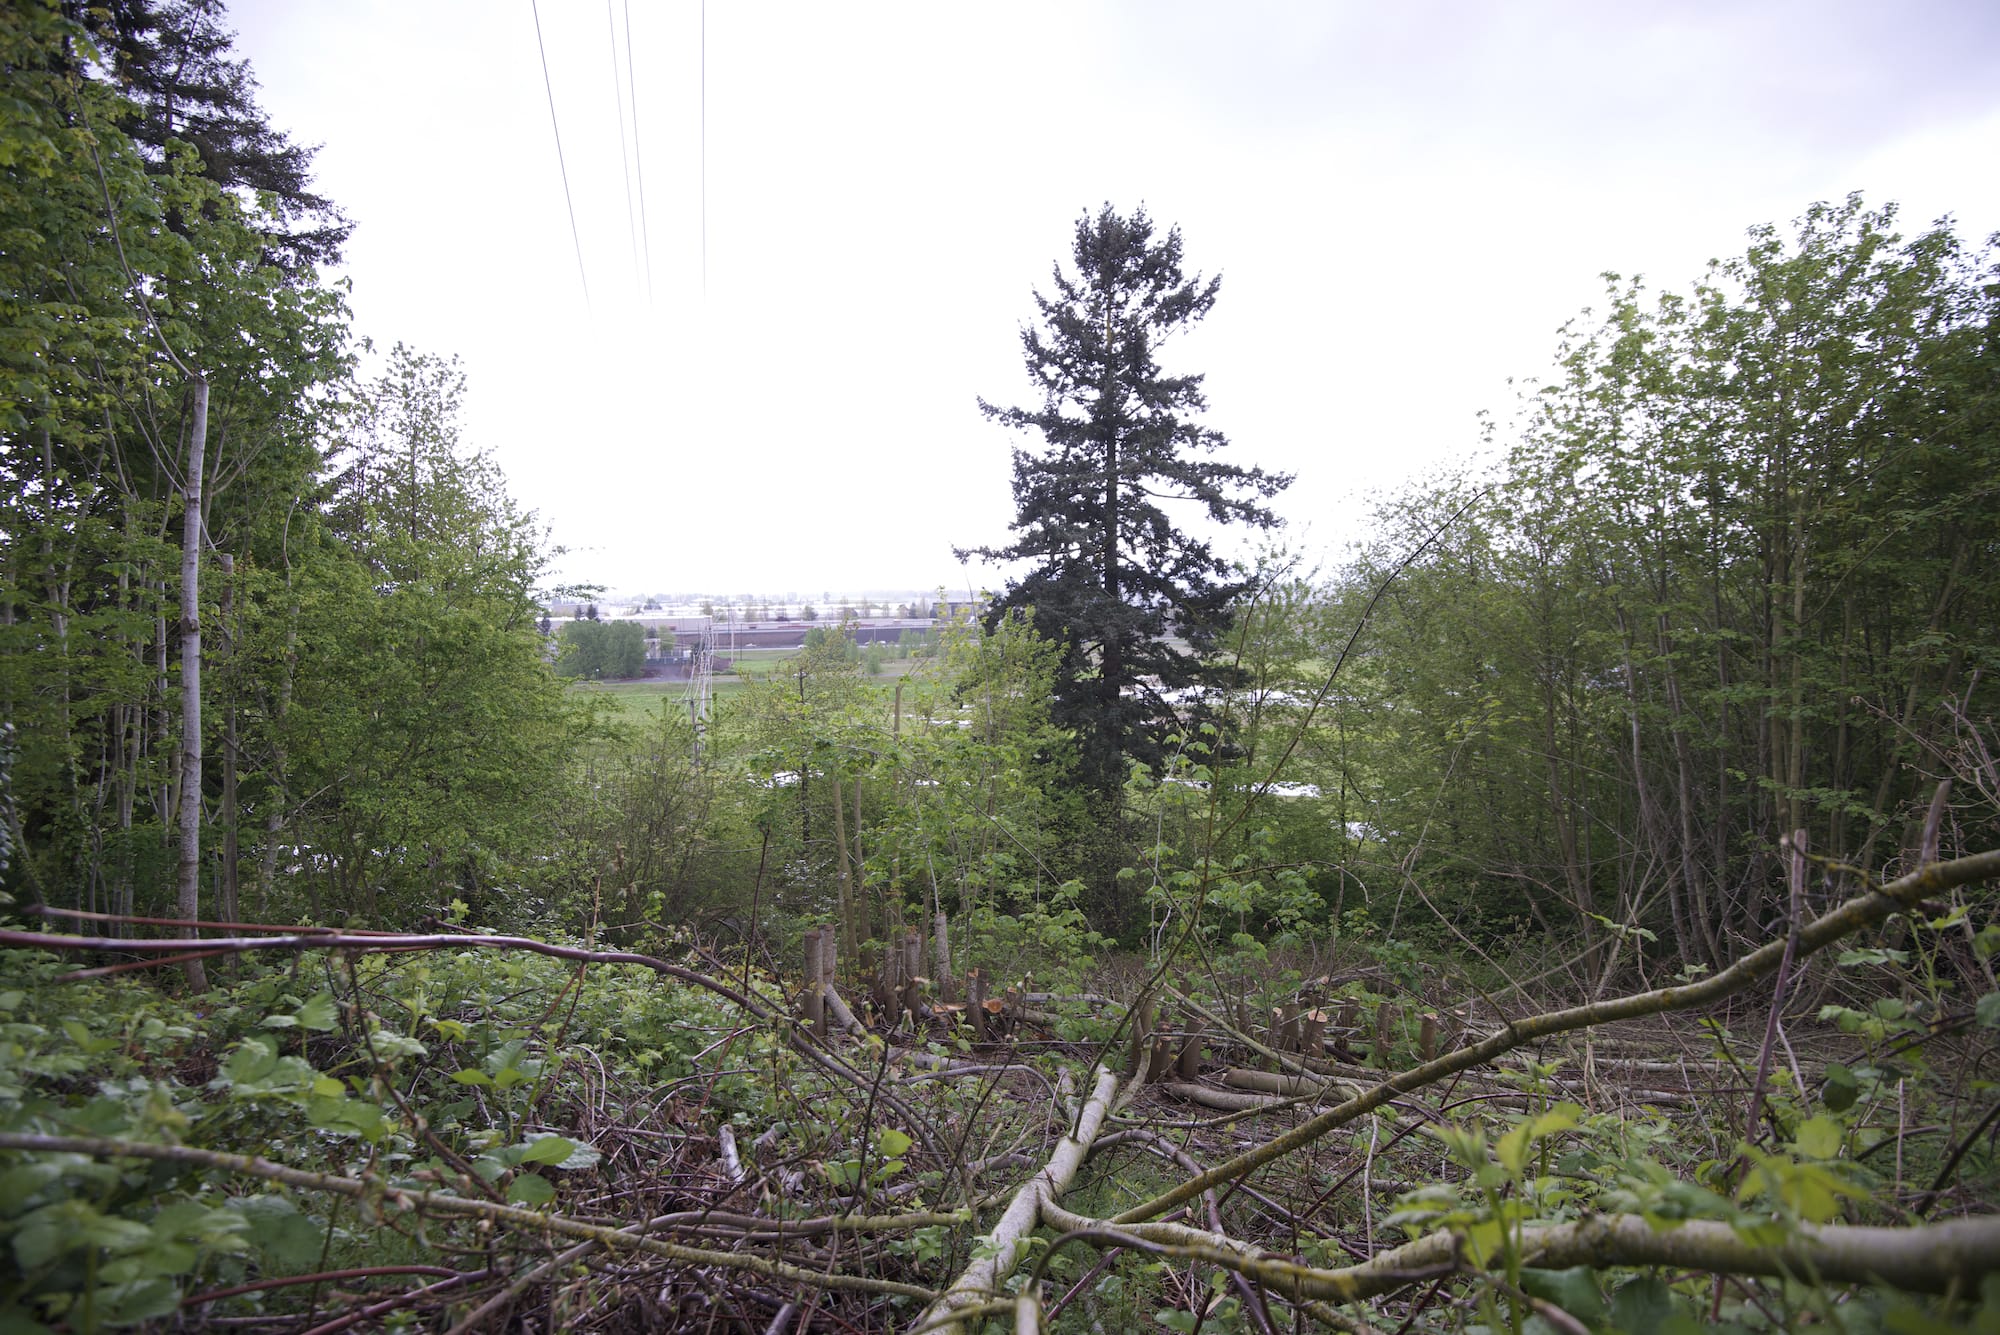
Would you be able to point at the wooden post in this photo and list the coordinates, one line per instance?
(1142, 1032)
(941, 950)
(1190, 1055)
(1385, 1016)
(1350, 1013)
(816, 983)
(816, 1009)
(975, 997)
(1312, 1033)
(1163, 1059)
(1427, 1037)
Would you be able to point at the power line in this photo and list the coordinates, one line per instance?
(618, 95)
(704, 148)
(574, 235)
(638, 155)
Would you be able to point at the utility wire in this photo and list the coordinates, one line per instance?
(704, 148)
(563, 166)
(618, 95)
(638, 155)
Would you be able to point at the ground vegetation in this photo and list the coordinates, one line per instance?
(1574, 913)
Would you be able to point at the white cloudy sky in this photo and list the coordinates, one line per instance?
(1405, 200)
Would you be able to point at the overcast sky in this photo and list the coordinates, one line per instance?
(1405, 201)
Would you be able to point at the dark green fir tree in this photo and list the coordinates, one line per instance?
(1136, 600)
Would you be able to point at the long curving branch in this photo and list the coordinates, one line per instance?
(444, 1203)
(1865, 910)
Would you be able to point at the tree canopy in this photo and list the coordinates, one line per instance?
(1135, 598)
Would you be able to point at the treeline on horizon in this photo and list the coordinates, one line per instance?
(1737, 575)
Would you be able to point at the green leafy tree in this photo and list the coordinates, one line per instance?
(1730, 584)
(428, 738)
(131, 279)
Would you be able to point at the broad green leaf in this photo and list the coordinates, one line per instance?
(548, 1150)
(1841, 1089)
(1574, 1290)
(318, 1014)
(527, 1189)
(894, 1143)
(251, 1062)
(1642, 1306)
(1819, 1138)
(580, 1158)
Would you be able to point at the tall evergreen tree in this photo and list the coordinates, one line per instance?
(174, 60)
(1114, 577)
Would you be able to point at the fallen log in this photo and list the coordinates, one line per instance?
(1008, 1242)
(1291, 1086)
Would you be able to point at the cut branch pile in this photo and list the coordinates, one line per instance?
(739, 1237)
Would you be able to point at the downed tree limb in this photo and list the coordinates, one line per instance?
(842, 1016)
(1291, 1086)
(1228, 1100)
(1865, 910)
(531, 1222)
(1928, 1258)
(1008, 1242)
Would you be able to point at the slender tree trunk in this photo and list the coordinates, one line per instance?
(848, 946)
(231, 837)
(190, 799)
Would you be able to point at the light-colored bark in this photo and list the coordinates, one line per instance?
(190, 799)
(1008, 1242)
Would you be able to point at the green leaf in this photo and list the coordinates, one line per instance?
(252, 1061)
(1819, 1138)
(283, 1235)
(527, 1189)
(130, 1304)
(893, 1143)
(1841, 1089)
(1987, 1011)
(1574, 1290)
(318, 1014)
(469, 1076)
(1643, 1306)
(580, 1158)
(548, 1150)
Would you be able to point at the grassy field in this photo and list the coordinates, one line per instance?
(639, 702)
